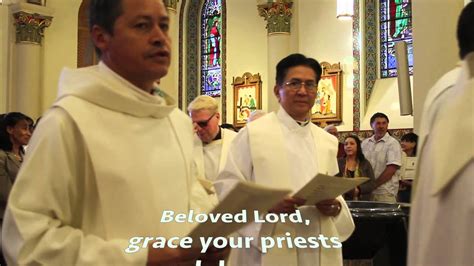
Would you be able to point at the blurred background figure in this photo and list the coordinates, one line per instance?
(408, 143)
(255, 115)
(212, 141)
(385, 155)
(354, 164)
(332, 129)
(14, 134)
(442, 211)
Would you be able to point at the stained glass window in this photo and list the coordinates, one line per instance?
(211, 47)
(395, 26)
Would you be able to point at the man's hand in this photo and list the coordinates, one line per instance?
(287, 205)
(330, 207)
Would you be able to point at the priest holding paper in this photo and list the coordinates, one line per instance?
(285, 150)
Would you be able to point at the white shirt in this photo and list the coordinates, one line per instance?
(212, 156)
(381, 153)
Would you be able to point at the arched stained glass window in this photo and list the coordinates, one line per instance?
(211, 47)
(395, 26)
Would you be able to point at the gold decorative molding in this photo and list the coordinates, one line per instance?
(329, 68)
(278, 15)
(30, 27)
(171, 4)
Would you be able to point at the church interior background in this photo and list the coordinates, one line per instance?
(215, 41)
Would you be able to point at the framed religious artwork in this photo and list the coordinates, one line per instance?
(247, 97)
(327, 107)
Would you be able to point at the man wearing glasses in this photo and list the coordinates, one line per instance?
(213, 142)
(284, 149)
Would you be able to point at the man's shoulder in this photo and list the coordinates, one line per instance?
(321, 133)
(445, 82)
(263, 122)
(367, 140)
(391, 140)
(228, 133)
(180, 116)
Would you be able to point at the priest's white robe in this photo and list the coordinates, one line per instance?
(275, 151)
(104, 163)
(210, 158)
(441, 231)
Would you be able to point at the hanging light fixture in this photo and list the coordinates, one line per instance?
(345, 9)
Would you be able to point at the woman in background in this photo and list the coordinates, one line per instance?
(14, 134)
(354, 164)
(408, 143)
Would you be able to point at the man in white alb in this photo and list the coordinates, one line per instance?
(441, 231)
(285, 150)
(212, 142)
(110, 156)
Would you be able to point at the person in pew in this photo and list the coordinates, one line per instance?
(212, 142)
(110, 156)
(284, 149)
(408, 143)
(14, 134)
(385, 155)
(442, 211)
(354, 164)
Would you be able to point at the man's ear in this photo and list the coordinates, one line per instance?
(218, 115)
(100, 37)
(276, 91)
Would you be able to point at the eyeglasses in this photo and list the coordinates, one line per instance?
(204, 123)
(309, 85)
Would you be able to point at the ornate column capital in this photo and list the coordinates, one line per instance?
(30, 27)
(30, 22)
(277, 14)
(171, 4)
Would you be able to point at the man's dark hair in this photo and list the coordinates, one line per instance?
(378, 115)
(296, 60)
(465, 30)
(411, 137)
(103, 13)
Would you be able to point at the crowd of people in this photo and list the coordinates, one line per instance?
(114, 152)
(381, 158)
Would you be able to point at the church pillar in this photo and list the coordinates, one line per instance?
(169, 83)
(278, 16)
(30, 21)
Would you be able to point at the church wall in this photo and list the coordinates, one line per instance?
(4, 57)
(60, 47)
(246, 48)
(435, 45)
(322, 36)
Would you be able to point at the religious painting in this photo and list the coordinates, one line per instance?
(327, 105)
(247, 97)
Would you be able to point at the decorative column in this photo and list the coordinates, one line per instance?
(278, 16)
(169, 83)
(30, 21)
